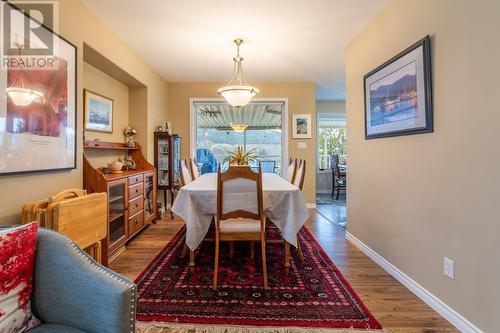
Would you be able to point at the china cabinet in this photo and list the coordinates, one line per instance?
(167, 160)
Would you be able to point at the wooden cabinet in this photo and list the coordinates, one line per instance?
(131, 197)
(167, 161)
(117, 214)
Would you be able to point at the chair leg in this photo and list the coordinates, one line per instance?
(216, 264)
(184, 251)
(252, 250)
(264, 263)
(287, 257)
(338, 192)
(191, 260)
(299, 249)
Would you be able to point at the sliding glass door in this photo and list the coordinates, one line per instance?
(221, 128)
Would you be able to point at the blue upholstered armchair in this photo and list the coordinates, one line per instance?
(72, 293)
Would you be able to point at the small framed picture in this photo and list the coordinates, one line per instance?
(398, 94)
(98, 112)
(301, 126)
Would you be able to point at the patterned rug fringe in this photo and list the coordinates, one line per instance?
(162, 327)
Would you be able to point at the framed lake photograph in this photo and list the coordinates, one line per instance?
(98, 112)
(301, 126)
(38, 100)
(398, 94)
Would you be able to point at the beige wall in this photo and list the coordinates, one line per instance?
(79, 24)
(301, 99)
(416, 199)
(103, 84)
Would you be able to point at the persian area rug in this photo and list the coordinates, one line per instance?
(313, 297)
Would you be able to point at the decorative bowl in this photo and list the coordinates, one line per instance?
(115, 166)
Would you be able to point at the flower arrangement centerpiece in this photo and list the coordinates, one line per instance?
(238, 157)
(129, 133)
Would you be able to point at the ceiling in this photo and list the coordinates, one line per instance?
(254, 115)
(285, 40)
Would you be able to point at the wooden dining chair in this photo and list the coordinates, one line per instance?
(291, 170)
(184, 173)
(300, 174)
(240, 211)
(338, 177)
(195, 171)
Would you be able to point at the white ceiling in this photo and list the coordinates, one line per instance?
(285, 40)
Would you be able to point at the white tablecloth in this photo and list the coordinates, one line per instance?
(283, 204)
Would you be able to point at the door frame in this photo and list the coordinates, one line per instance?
(284, 123)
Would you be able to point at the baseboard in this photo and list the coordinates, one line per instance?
(311, 205)
(442, 308)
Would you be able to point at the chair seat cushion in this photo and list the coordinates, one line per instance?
(239, 225)
(54, 328)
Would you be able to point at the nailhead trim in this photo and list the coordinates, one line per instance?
(106, 271)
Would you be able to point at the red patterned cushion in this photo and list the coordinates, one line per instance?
(17, 261)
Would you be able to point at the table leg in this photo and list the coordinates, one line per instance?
(171, 203)
(287, 257)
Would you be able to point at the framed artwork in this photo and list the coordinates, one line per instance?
(301, 126)
(98, 112)
(398, 94)
(38, 110)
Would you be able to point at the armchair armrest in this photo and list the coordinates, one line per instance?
(70, 288)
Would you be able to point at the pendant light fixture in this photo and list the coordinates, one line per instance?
(238, 127)
(20, 95)
(237, 92)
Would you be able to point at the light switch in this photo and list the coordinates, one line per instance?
(301, 145)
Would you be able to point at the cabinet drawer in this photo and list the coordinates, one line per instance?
(135, 179)
(135, 222)
(135, 190)
(135, 205)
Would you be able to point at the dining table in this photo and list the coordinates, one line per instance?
(196, 204)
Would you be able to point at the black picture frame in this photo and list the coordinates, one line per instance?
(74, 88)
(426, 82)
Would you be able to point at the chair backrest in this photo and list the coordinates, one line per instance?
(300, 175)
(239, 194)
(291, 170)
(195, 171)
(184, 173)
(268, 166)
(335, 165)
(334, 161)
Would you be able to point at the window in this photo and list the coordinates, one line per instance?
(331, 140)
(215, 137)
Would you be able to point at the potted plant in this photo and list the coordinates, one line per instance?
(238, 157)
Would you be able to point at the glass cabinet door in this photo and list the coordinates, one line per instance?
(116, 213)
(163, 162)
(149, 200)
(177, 160)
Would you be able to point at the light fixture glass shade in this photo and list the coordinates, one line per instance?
(238, 95)
(238, 127)
(24, 97)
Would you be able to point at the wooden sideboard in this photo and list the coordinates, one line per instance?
(132, 196)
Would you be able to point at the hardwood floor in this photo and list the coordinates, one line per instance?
(394, 306)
